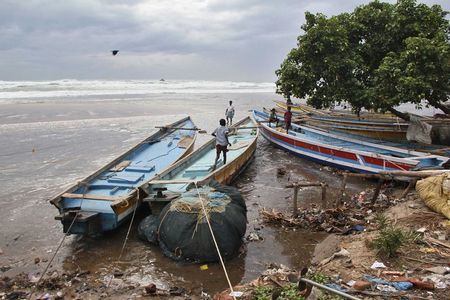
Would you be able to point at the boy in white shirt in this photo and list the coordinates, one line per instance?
(221, 134)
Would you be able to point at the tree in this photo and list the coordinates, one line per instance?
(377, 57)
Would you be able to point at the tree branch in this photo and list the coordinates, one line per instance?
(404, 116)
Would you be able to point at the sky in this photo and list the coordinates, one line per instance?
(237, 40)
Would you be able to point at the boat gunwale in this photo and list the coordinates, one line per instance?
(162, 132)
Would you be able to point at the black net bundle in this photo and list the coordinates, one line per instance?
(181, 229)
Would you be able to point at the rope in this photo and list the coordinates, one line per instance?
(56, 252)
(215, 243)
(128, 233)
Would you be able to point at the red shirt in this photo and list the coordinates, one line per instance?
(287, 116)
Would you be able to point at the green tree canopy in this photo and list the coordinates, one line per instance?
(377, 57)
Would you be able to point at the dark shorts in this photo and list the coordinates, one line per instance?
(220, 148)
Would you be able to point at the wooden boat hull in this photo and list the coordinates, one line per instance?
(105, 199)
(345, 153)
(378, 129)
(197, 168)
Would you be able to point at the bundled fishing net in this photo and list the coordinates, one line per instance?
(182, 231)
(435, 193)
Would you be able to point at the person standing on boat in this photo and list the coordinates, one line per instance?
(229, 113)
(221, 135)
(288, 118)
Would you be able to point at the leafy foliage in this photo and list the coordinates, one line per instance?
(377, 57)
(391, 238)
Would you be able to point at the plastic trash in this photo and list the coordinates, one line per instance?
(378, 265)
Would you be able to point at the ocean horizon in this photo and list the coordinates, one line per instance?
(107, 89)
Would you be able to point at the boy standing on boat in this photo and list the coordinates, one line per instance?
(221, 134)
(229, 113)
(288, 118)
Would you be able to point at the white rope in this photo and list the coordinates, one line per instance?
(128, 233)
(215, 243)
(56, 252)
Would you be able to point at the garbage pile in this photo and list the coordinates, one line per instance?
(352, 216)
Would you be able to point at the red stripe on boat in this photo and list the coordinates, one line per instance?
(312, 147)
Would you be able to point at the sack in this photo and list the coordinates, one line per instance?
(435, 193)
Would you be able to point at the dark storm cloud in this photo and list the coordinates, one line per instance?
(197, 39)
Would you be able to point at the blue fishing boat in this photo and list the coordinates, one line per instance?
(105, 199)
(344, 152)
(199, 165)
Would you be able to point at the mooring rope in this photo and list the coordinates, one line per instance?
(215, 243)
(56, 252)
(128, 233)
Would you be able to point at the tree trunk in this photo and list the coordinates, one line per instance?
(404, 116)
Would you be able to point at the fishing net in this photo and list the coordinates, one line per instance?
(182, 230)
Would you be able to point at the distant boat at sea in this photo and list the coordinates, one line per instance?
(105, 199)
(344, 152)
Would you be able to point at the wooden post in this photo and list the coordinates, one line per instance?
(295, 209)
(411, 184)
(344, 183)
(324, 195)
(377, 189)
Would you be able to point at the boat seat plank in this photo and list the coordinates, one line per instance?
(137, 168)
(120, 166)
(129, 178)
(89, 196)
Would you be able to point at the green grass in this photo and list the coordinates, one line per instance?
(391, 238)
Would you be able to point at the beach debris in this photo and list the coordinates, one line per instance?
(361, 285)
(281, 171)
(204, 267)
(114, 52)
(352, 216)
(176, 291)
(386, 286)
(421, 230)
(254, 236)
(150, 289)
(378, 265)
(440, 281)
(341, 253)
(439, 270)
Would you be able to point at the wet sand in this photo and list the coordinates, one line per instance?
(49, 145)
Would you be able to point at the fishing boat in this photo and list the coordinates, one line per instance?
(104, 199)
(344, 152)
(198, 167)
(375, 128)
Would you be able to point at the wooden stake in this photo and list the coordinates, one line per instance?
(411, 184)
(295, 209)
(344, 183)
(377, 189)
(324, 195)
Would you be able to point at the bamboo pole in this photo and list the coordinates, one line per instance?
(417, 174)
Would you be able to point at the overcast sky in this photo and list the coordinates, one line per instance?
(239, 40)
